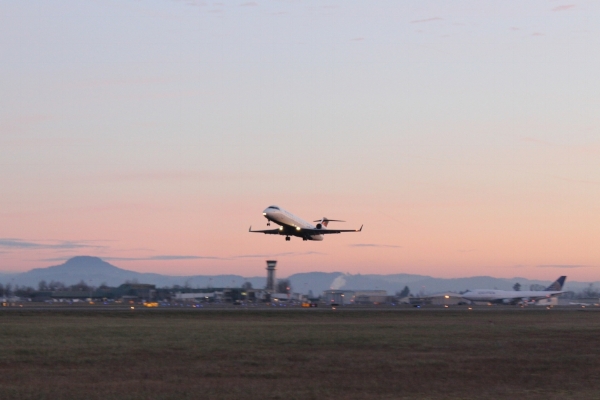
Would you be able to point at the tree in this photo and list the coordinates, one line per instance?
(590, 291)
(81, 287)
(517, 287)
(404, 293)
(284, 286)
(56, 286)
(247, 285)
(42, 286)
(23, 291)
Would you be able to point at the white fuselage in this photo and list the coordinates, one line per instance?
(286, 219)
(508, 296)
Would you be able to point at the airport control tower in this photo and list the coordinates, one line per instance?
(271, 275)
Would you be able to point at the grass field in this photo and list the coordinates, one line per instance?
(300, 354)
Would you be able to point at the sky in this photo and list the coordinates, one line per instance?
(464, 135)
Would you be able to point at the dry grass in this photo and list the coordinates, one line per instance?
(300, 354)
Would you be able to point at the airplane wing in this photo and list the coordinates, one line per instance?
(329, 231)
(267, 231)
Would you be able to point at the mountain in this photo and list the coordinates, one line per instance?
(95, 271)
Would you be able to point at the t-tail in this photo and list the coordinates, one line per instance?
(322, 223)
(556, 285)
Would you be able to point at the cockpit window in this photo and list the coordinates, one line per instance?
(274, 207)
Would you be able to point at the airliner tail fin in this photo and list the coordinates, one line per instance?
(557, 284)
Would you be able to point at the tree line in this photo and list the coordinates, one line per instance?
(8, 289)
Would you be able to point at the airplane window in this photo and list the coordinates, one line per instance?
(274, 207)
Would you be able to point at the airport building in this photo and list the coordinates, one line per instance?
(346, 297)
(442, 299)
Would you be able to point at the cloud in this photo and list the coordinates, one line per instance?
(418, 21)
(569, 266)
(151, 258)
(172, 257)
(202, 176)
(564, 7)
(162, 258)
(373, 245)
(291, 253)
(10, 243)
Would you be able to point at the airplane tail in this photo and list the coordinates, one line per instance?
(556, 285)
(324, 221)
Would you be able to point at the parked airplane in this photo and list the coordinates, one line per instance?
(515, 296)
(291, 225)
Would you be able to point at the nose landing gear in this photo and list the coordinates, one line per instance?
(287, 238)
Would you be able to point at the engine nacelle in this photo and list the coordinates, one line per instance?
(319, 226)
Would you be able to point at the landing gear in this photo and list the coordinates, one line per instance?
(287, 238)
(305, 239)
(269, 223)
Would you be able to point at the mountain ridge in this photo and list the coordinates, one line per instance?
(95, 271)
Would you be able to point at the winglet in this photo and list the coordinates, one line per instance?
(360, 229)
(250, 230)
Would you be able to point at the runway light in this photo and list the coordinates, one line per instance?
(446, 296)
(132, 307)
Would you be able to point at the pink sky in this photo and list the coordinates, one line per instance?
(463, 135)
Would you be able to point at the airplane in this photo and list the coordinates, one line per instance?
(291, 225)
(515, 296)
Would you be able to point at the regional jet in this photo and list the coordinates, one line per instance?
(515, 296)
(291, 225)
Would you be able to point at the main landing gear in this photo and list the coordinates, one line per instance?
(287, 238)
(269, 223)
